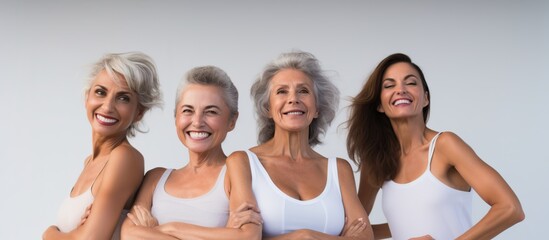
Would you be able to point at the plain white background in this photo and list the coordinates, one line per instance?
(486, 63)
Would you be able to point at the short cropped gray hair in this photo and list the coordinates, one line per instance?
(326, 94)
(213, 76)
(139, 71)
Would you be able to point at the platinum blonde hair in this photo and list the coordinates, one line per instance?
(139, 72)
(212, 76)
(326, 94)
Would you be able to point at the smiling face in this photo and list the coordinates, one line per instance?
(292, 100)
(111, 106)
(202, 118)
(402, 92)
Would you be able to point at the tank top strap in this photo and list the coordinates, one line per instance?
(432, 150)
(105, 165)
(221, 176)
(333, 172)
(163, 179)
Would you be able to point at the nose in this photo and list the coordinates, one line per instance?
(293, 98)
(197, 120)
(401, 89)
(108, 103)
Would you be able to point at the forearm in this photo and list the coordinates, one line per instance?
(303, 234)
(497, 220)
(53, 233)
(141, 232)
(189, 231)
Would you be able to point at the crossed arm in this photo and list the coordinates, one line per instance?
(140, 223)
(120, 179)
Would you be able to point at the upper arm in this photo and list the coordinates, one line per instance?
(486, 181)
(351, 203)
(366, 192)
(146, 191)
(240, 178)
(121, 178)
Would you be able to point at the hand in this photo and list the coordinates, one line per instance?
(245, 213)
(85, 215)
(142, 217)
(355, 228)
(426, 237)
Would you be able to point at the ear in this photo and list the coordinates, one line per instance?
(139, 116)
(269, 114)
(380, 108)
(426, 99)
(232, 121)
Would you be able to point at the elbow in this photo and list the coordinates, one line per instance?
(519, 215)
(514, 213)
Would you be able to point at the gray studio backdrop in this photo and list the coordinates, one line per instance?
(486, 63)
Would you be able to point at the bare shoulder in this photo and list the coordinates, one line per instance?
(452, 149)
(449, 141)
(154, 174)
(126, 151)
(237, 158)
(125, 159)
(343, 165)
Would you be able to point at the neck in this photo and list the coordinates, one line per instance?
(214, 157)
(294, 145)
(102, 145)
(410, 133)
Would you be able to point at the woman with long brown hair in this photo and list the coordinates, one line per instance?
(426, 192)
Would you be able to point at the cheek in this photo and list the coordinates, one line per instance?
(181, 123)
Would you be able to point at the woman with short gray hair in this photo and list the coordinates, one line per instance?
(122, 88)
(192, 202)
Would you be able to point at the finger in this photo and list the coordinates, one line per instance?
(139, 216)
(140, 213)
(132, 218)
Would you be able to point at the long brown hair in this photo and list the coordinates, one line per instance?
(371, 141)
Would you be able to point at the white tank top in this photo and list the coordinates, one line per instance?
(72, 209)
(208, 210)
(283, 214)
(426, 206)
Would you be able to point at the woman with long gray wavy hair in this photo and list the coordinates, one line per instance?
(300, 193)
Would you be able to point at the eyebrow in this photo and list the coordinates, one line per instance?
(287, 85)
(407, 76)
(207, 107)
(118, 93)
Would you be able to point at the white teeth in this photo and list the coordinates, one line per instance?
(199, 135)
(106, 120)
(402, 101)
(294, 113)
